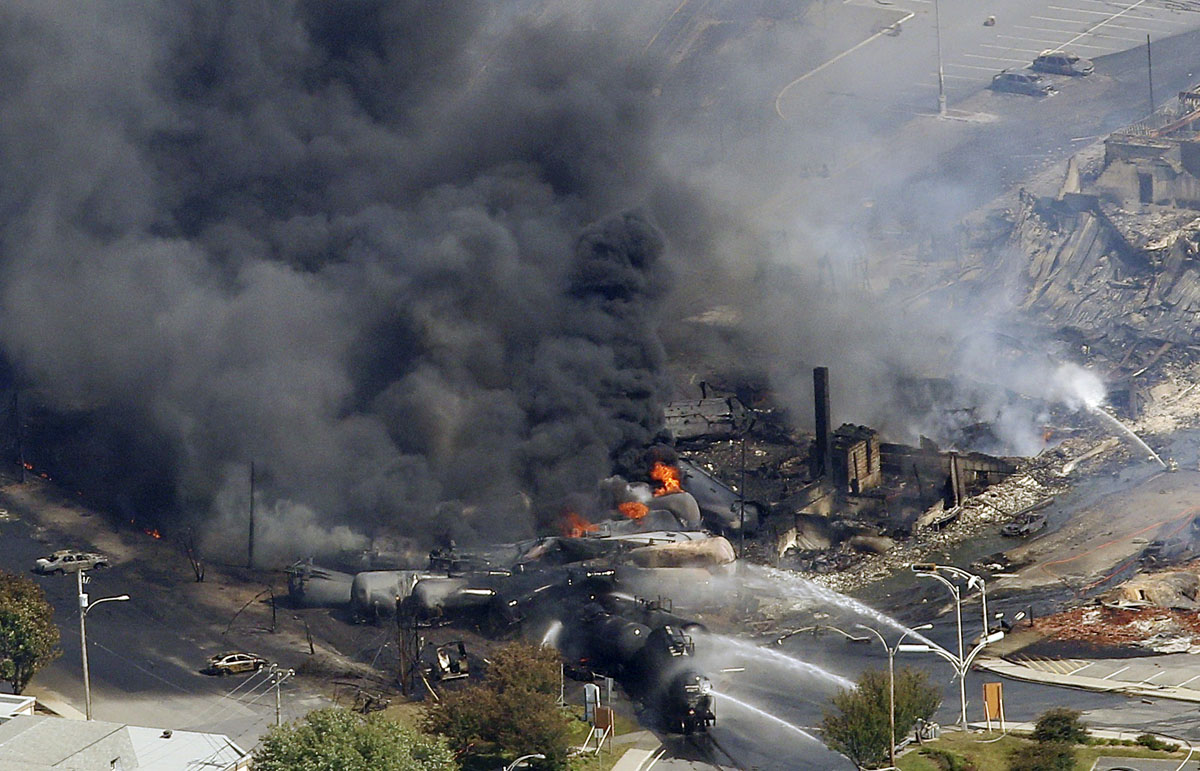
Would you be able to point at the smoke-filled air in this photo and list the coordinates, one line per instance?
(393, 257)
(411, 260)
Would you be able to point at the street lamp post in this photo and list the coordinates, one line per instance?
(84, 607)
(937, 23)
(961, 662)
(891, 654)
(535, 756)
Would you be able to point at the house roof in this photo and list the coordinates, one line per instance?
(36, 742)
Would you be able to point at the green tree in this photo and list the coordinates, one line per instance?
(1060, 724)
(513, 712)
(337, 738)
(28, 636)
(1043, 756)
(857, 726)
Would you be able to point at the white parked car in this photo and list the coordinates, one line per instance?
(69, 561)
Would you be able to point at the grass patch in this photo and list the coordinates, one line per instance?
(975, 749)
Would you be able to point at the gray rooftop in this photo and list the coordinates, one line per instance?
(33, 743)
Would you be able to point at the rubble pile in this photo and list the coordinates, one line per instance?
(1162, 630)
(1036, 481)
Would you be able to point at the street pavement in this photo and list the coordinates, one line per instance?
(1173, 676)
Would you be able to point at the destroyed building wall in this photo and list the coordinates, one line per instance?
(1110, 274)
(1141, 171)
(706, 418)
(855, 459)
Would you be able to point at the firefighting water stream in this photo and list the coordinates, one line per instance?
(725, 648)
(1127, 432)
(805, 593)
(764, 715)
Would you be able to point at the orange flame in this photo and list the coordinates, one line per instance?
(634, 510)
(667, 478)
(152, 532)
(28, 466)
(575, 526)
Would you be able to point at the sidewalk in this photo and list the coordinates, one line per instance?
(641, 749)
(1176, 679)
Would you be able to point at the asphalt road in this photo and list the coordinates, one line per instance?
(145, 654)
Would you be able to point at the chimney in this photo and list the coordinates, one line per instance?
(822, 447)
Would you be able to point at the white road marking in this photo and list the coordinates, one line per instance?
(1106, 13)
(1185, 682)
(818, 68)
(1114, 674)
(1101, 24)
(1080, 36)
(972, 67)
(1013, 48)
(994, 58)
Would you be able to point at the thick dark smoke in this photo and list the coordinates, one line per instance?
(351, 242)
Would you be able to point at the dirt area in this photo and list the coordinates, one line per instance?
(1101, 536)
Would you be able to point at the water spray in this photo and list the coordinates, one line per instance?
(743, 648)
(762, 713)
(1125, 430)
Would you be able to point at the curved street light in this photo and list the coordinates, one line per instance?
(84, 607)
(891, 654)
(535, 756)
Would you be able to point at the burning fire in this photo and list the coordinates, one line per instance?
(634, 510)
(575, 526)
(152, 532)
(667, 478)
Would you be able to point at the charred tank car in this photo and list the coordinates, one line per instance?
(655, 664)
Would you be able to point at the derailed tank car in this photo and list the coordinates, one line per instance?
(655, 664)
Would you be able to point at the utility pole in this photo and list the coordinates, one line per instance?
(84, 607)
(937, 23)
(250, 547)
(278, 676)
(1150, 74)
(87, 683)
(20, 443)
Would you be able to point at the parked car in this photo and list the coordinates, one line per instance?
(1063, 63)
(69, 561)
(232, 663)
(1022, 83)
(1025, 525)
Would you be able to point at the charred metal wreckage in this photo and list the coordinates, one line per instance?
(584, 583)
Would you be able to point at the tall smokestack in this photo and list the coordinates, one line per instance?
(821, 446)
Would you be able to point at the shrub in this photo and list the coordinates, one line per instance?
(1043, 756)
(1152, 742)
(949, 761)
(1060, 725)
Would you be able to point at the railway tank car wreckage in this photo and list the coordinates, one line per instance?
(586, 580)
(643, 645)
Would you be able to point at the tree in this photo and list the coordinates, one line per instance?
(341, 739)
(514, 712)
(1060, 724)
(858, 728)
(28, 636)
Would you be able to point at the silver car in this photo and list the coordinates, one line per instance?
(69, 561)
(1063, 63)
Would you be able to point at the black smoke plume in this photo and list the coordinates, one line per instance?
(367, 245)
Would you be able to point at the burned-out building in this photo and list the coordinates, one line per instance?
(856, 465)
(1157, 160)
